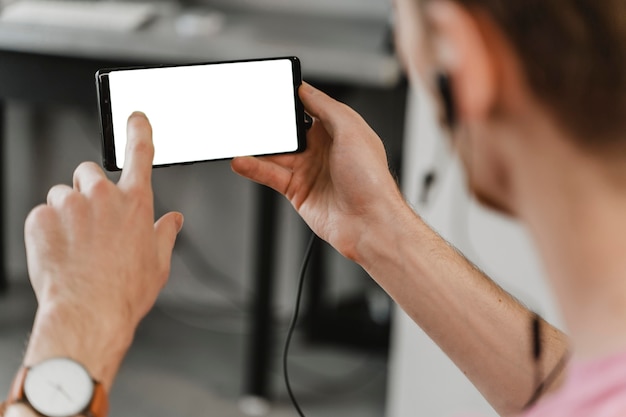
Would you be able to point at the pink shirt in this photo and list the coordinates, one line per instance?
(594, 389)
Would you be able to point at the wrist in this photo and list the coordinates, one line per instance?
(381, 237)
(97, 342)
(393, 247)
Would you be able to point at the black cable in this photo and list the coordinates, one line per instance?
(294, 320)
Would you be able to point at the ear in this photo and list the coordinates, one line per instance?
(462, 51)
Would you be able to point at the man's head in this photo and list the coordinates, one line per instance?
(522, 71)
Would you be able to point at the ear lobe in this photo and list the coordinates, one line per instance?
(463, 52)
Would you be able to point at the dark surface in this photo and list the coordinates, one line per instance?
(3, 248)
(49, 79)
(259, 349)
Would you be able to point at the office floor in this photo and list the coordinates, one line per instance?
(189, 353)
(185, 370)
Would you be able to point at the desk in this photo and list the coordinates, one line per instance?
(55, 65)
(334, 50)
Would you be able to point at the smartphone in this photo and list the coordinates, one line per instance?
(205, 112)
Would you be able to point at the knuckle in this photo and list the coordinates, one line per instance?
(141, 195)
(84, 166)
(70, 200)
(39, 215)
(142, 147)
(63, 199)
(102, 187)
(137, 205)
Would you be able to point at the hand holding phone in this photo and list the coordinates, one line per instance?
(205, 112)
(341, 185)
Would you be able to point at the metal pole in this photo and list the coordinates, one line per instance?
(259, 350)
(3, 238)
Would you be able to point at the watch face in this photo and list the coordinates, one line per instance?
(58, 387)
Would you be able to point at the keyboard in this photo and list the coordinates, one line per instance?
(95, 15)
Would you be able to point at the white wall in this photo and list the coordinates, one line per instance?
(423, 381)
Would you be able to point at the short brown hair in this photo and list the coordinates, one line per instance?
(574, 55)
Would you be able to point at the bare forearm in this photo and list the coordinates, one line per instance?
(97, 342)
(484, 330)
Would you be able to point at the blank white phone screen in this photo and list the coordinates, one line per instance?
(208, 112)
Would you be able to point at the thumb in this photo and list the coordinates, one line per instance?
(324, 108)
(166, 229)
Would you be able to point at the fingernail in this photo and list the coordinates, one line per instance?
(138, 114)
(180, 220)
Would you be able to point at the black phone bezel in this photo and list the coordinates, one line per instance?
(104, 105)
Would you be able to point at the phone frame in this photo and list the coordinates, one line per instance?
(109, 160)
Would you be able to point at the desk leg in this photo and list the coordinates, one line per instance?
(259, 349)
(3, 238)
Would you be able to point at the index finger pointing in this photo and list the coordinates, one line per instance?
(139, 152)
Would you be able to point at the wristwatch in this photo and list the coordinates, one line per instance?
(59, 387)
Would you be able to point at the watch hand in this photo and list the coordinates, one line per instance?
(65, 394)
(59, 388)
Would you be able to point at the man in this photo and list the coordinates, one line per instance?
(538, 142)
(534, 94)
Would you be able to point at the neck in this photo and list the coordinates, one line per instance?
(577, 216)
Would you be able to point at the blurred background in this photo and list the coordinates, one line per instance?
(212, 344)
